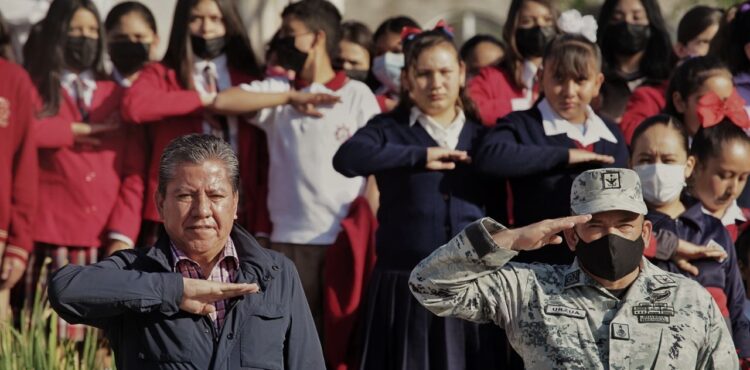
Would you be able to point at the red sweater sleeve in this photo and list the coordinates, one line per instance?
(645, 102)
(126, 214)
(486, 89)
(156, 95)
(25, 173)
(52, 131)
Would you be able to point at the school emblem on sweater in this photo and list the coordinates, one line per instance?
(4, 112)
(342, 133)
(611, 180)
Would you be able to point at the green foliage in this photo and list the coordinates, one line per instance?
(36, 346)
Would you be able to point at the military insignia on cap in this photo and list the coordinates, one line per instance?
(611, 180)
(620, 331)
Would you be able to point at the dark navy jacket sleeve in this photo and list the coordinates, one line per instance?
(96, 293)
(302, 347)
(502, 153)
(736, 299)
(368, 151)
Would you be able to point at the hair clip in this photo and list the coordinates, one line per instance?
(443, 27)
(409, 33)
(712, 110)
(572, 22)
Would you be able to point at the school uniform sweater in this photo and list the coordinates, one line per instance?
(536, 165)
(721, 279)
(86, 191)
(18, 160)
(419, 209)
(495, 96)
(646, 101)
(156, 99)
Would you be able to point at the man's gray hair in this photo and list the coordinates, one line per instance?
(196, 149)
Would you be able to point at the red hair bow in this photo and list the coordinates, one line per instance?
(408, 33)
(712, 110)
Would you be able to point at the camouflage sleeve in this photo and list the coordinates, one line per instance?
(470, 278)
(718, 351)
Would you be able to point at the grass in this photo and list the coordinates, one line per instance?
(35, 345)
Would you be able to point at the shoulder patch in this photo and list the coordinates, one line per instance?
(572, 278)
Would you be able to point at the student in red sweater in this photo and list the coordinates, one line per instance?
(694, 34)
(132, 40)
(91, 165)
(513, 85)
(637, 49)
(18, 176)
(208, 52)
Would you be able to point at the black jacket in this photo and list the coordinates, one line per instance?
(134, 297)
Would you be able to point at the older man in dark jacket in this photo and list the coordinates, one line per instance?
(206, 296)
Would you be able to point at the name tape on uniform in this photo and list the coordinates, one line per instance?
(564, 311)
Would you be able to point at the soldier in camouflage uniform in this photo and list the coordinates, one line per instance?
(609, 309)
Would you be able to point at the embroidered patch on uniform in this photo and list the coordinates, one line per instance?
(572, 278)
(664, 279)
(653, 312)
(564, 311)
(342, 133)
(659, 295)
(611, 180)
(620, 331)
(4, 112)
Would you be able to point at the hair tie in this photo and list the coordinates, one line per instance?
(573, 23)
(712, 110)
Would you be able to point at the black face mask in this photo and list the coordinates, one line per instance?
(532, 41)
(81, 52)
(358, 75)
(208, 49)
(287, 54)
(610, 257)
(626, 38)
(128, 57)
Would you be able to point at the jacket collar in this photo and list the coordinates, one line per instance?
(649, 280)
(256, 263)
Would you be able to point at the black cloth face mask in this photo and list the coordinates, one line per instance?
(531, 42)
(287, 54)
(81, 52)
(358, 75)
(626, 38)
(610, 257)
(208, 49)
(127, 56)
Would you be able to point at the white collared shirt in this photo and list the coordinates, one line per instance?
(120, 79)
(220, 70)
(446, 136)
(528, 76)
(594, 128)
(88, 85)
(731, 216)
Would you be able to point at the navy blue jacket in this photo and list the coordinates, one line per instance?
(134, 297)
(699, 228)
(537, 167)
(420, 209)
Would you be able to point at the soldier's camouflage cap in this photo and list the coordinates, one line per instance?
(607, 189)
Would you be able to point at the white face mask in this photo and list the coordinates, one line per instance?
(661, 183)
(387, 69)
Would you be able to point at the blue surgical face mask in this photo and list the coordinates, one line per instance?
(387, 69)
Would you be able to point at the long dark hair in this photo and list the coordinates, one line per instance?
(114, 17)
(709, 142)
(6, 43)
(696, 21)
(179, 54)
(47, 59)
(513, 60)
(659, 58)
(412, 50)
(729, 43)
